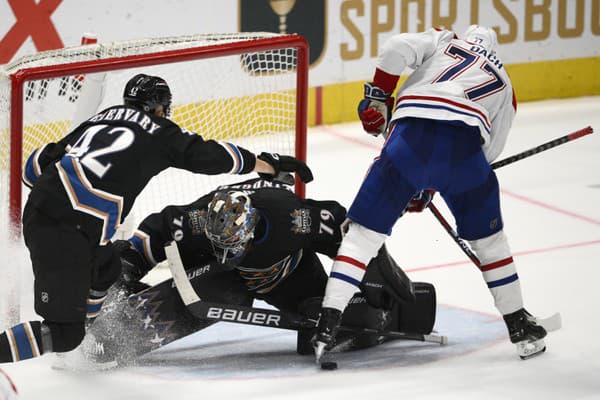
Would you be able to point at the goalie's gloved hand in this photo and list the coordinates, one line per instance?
(327, 327)
(133, 266)
(375, 110)
(420, 201)
(285, 164)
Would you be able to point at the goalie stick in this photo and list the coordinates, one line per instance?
(554, 322)
(260, 316)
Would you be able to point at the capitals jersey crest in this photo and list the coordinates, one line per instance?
(301, 221)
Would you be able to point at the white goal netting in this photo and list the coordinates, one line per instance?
(241, 88)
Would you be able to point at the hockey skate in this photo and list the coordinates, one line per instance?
(525, 333)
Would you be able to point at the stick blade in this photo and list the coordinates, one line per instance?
(551, 323)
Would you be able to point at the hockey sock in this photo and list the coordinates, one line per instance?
(21, 342)
(499, 272)
(94, 303)
(359, 246)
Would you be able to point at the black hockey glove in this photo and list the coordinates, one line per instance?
(285, 164)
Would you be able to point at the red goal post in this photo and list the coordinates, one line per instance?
(248, 88)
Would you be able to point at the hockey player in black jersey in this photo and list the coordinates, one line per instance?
(241, 242)
(83, 187)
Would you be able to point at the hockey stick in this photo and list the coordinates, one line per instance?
(553, 322)
(461, 243)
(543, 147)
(259, 316)
(509, 160)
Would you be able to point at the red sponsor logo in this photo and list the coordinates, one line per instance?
(33, 20)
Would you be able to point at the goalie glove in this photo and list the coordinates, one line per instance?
(375, 110)
(282, 164)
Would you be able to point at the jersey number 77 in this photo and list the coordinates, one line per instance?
(466, 59)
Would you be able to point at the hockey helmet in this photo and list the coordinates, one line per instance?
(148, 92)
(482, 36)
(230, 224)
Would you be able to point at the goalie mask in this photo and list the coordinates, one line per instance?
(148, 92)
(230, 224)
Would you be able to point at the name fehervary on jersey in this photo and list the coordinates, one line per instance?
(127, 114)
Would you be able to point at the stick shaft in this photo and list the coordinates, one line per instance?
(543, 147)
(509, 160)
(461, 243)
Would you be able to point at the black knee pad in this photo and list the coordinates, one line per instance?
(66, 336)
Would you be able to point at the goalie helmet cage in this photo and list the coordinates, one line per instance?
(246, 88)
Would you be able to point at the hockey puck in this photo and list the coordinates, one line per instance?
(329, 365)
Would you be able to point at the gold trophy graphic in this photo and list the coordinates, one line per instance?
(282, 8)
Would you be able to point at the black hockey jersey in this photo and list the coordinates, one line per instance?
(288, 226)
(102, 166)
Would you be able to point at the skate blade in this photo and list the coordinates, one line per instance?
(527, 350)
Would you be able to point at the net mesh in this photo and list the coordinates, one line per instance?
(248, 99)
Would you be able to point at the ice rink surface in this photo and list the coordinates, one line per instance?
(551, 206)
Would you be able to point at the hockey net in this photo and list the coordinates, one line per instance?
(246, 88)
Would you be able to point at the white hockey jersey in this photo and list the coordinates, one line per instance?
(453, 80)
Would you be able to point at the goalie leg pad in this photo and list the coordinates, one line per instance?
(385, 283)
(417, 317)
(137, 324)
(361, 314)
(358, 314)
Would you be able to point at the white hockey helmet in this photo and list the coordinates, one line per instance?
(482, 36)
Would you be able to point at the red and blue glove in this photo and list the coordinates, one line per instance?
(375, 110)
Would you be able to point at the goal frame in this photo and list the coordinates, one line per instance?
(18, 80)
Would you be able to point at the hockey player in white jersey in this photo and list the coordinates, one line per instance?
(450, 121)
